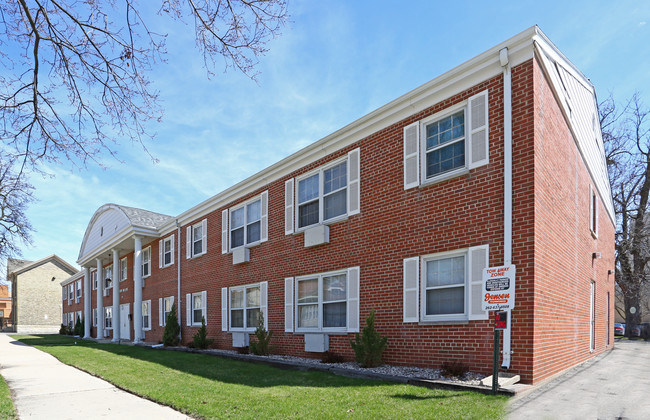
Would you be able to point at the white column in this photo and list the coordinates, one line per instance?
(116, 295)
(88, 317)
(137, 290)
(100, 299)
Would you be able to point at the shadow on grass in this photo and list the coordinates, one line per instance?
(214, 367)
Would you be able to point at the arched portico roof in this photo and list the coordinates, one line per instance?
(113, 227)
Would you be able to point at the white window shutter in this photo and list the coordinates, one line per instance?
(591, 208)
(172, 249)
(189, 243)
(188, 309)
(412, 155)
(354, 184)
(204, 305)
(160, 312)
(264, 221)
(264, 286)
(204, 239)
(478, 130)
(288, 304)
(224, 231)
(411, 305)
(478, 261)
(224, 309)
(288, 207)
(160, 254)
(353, 299)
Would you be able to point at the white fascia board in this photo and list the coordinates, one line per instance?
(476, 70)
(72, 279)
(72, 269)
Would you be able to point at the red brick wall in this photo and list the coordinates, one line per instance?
(395, 224)
(564, 267)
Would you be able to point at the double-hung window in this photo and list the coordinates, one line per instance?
(146, 262)
(445, 145)
(322, 196)
(146, 315)
(328, 194)
(123, 267)
(446, 286)
(448, 143)
(94, 317)
(108, 277)
(166, 252)
(70, 293)
(164, 308)
(195, 308)
(78, 296)
(93, 279)
(245, 224)
(197, 239)
(245, 303)
(325, 302)
(108, 317)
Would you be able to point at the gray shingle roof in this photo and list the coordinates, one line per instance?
(145, 218)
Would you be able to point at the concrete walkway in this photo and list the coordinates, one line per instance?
(44, 388)
(615, 385)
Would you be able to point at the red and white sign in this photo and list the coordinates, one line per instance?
(498, 288)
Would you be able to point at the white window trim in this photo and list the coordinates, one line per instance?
(593, 212)
(93, 279)
(320, 328)
(108, 309)
(235, 208)
(423, 145)
(321, 179)
(77, 296)
(161, 252)
(464, 316)
(94, 317)
(189, 308)
(70, 293)
(107, 288)
(124, 273)
(144, 276)
(245, 308)
(144, 327)
(190, 239)
(162, 317)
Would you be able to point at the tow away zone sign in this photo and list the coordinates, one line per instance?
(498, 288)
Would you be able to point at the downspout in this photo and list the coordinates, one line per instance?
(178, 260)
(507, 187)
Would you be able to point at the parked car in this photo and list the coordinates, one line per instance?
(619, 329)
(641, 330)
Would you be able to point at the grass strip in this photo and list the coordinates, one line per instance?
(7, 409)
(206, 386)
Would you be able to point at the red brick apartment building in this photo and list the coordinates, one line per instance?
(498, 161)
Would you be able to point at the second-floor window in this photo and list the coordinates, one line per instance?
(146, 262)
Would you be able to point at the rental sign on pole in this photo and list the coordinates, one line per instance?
(498, 288)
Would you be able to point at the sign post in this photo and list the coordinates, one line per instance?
(498, 296)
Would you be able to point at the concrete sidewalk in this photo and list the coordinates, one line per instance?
(615, 385)
(44, 388)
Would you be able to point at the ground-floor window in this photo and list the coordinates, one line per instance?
(146, 315)
(242, 306)
(323, 302)
(94, 317)
(164, 308)
(108, 317)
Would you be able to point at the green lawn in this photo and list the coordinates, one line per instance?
(211, 387)
(7, 410)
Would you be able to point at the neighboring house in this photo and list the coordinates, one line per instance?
(36, 292)
(498, 161)
(5, 307)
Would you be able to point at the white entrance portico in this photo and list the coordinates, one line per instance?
(116, 231)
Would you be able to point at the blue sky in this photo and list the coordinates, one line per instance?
(335, 62)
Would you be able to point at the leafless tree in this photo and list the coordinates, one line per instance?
(15, 196)
(74, 73)
(626, 133)
(74, 77)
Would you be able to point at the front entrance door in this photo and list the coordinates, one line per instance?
(125, 323)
